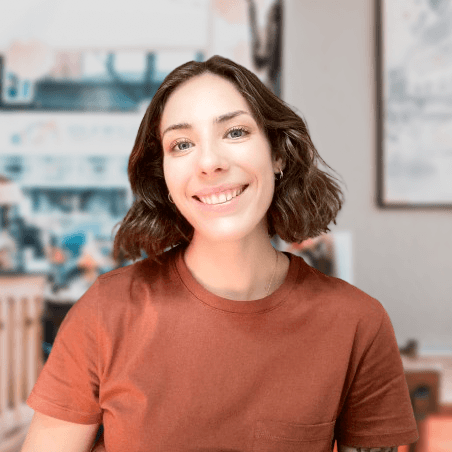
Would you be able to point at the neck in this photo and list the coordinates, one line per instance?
(238, 271)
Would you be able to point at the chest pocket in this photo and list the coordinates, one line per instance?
(276, 436)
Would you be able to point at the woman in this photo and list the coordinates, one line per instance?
(216, 341)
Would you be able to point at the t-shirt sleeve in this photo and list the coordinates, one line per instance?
(377, 411)
(68, 386)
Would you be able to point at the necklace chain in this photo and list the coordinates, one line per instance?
(274, 272)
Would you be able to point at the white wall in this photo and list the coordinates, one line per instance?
(403, 258)
(102, 24)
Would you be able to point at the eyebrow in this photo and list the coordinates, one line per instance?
(220, 119)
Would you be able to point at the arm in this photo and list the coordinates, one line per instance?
(342, 448)
(47, 434)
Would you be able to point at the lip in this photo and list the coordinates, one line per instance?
(218, 189)
(226, 207)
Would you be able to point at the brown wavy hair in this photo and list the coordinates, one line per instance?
(305, 201)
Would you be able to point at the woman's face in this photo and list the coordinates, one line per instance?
(202, 153)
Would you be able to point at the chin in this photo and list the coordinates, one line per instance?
(229, 233)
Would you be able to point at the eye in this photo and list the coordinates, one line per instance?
(241, 130)
(178, 143)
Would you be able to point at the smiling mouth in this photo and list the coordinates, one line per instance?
(220, 203)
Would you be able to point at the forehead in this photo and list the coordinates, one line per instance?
(202, 98)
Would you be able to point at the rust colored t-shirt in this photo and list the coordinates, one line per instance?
(166, 365)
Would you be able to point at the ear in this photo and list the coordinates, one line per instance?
(278, 165)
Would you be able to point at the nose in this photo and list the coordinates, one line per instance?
(211, 159)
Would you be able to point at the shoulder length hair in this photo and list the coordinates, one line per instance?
(305, 201)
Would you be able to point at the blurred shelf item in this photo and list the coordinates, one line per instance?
(21, 357)
(442, 365)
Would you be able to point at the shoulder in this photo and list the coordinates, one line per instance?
(350, 313)
(142, 272)
(130, 284)
(121, 275)
(121, 294)
(339, 296)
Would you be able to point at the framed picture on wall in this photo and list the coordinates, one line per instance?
(414, 99)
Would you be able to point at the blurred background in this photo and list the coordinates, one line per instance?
(372, 79)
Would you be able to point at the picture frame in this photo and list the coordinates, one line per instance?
(414, 103)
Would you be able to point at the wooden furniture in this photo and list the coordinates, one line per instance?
(424, 388)
(429, 380)
(21, 305)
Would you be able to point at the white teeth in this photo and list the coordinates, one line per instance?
(223, 197)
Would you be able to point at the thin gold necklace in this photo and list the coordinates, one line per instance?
(274, 272)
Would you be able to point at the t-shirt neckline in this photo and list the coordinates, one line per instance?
(238, 306)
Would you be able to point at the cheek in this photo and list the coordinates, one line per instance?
(257, 156)
(175, 173)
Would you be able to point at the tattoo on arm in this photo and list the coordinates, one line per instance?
(342, 448)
